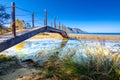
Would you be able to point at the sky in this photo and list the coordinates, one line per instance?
(88, 15)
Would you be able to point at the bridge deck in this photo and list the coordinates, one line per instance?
(7, 40)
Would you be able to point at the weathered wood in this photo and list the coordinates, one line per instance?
(19, 38)
(45, 17)
(59, 26)
(55, 23)
(13, 19)
(33, 19)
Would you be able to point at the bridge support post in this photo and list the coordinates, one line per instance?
(51, 24)
(45, 18)
(33, 19)
(13, 19)
(55, 22)
(63, 27)
(59, 24)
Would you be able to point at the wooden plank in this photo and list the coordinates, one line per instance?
(19, 38)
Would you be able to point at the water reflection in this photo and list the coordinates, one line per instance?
(63, 43)
(38, 49)
(41, 54)
(19, 46)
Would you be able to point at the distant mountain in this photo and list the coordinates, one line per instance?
(74, 30)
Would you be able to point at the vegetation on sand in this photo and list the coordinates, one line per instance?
(96, 64)
(4, 58)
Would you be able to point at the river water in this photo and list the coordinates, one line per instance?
(39, 49)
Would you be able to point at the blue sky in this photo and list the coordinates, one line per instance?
(88, 15)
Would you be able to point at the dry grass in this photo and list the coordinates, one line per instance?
(94, 36)
(99, 64)
(78, 36)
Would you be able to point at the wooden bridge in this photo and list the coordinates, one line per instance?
(10, 39)
(7, 40)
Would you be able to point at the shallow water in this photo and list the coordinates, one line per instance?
(39, 49)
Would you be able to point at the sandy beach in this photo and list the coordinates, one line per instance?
(14, 69)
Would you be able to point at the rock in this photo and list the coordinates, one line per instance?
(83, 77)
(0, 72)
(29, 61)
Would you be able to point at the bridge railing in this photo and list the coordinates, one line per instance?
(22, 19)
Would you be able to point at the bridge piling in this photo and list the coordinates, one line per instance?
(59, 24)
(55, 22)
(51, 24)
(33, 19)
(45, 17)
(13, 19)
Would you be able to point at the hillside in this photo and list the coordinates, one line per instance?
(74, 30)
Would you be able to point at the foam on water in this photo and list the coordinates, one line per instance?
(32, 47)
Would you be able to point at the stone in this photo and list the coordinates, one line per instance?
(83, 77)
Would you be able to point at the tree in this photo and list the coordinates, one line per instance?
(19, 24)
(26, 24)
(3, 19)
(3, 16)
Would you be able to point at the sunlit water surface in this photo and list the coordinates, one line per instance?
(39, 49)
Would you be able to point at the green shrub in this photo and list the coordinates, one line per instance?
(4, 58)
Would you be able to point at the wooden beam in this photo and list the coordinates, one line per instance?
(45, 17)
(13, 19)
(33, 19)
(55, 22)
(15, 40)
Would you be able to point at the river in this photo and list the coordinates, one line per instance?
(39, 49)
